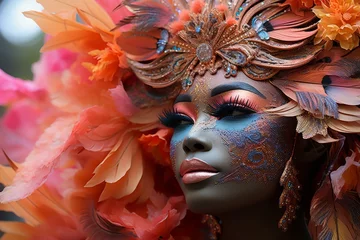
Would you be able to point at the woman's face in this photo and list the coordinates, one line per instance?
(226, 153)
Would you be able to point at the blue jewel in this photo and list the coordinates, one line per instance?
(186, 83)
(198, 29)
(264, 35)
(161, 43)
(290, 185)
(233, 72)
(240, 9)
(228, 69)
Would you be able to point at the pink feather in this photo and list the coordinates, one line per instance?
(41, 161)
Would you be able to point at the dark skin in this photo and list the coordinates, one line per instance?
(245, 191)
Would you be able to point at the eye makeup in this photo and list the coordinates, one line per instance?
(233, 106)
(173, 118)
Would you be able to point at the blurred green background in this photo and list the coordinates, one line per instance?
(20, 42)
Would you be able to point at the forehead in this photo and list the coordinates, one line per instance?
(203, 85)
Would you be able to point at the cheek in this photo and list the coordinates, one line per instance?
(176, 152)
(259, 148)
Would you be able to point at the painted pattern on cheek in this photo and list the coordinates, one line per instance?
(259, 151)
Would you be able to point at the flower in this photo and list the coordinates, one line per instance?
(299, 6)
(94, 39)
(339, 21)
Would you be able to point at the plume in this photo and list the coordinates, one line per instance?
(332, 218)
(145, 14)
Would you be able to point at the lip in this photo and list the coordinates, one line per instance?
(195, 170)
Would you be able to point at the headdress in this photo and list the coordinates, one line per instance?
(97, 160)
(259, 38)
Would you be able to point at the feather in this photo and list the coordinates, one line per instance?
(123, 103)
(98, 130)
(98, 17)
(338, 63)
(131, 190)
(317, 104)
(290, 20)
(146, 15)
(336, 86)
(13, 228)
(96, 227)
(292, 34)
(41, 161)
(287, 59)
(117, 162)
(310, 126)
(291, 89)
(347, 177)
(344, 127)
(348, 113)
(140, 46)
(76, 40)
(34, 208)
(333, 218)
(290, 109)
(53, 24)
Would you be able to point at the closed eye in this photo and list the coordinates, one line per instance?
(234, 107)
(172, 119)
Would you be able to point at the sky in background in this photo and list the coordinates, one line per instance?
(20, 38)
(15, 27)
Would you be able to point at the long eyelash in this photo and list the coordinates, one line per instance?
(235, 102)
(170, 118)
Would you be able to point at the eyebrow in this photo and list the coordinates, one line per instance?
(235, 86)
(183, 98)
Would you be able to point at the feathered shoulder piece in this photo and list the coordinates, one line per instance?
(173, 41)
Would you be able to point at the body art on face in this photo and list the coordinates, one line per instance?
(200, 93)
(258, 150)
(205, 124)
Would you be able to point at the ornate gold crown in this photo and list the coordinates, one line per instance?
(256, 37)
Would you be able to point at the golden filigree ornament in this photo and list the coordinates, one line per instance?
(255, 37)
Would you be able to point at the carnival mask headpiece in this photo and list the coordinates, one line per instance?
(166, 43)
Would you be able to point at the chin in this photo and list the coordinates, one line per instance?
(222, 198)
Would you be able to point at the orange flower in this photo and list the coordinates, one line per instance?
(339, 21)
(299, 6)
(108, 62)
(94, 39)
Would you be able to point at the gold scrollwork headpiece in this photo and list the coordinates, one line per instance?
(173, 41)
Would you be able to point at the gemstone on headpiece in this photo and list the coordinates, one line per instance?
(235, 57)
(186, 83)
(161, 43)
(204, 52)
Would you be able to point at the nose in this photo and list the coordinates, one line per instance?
(196, 144)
